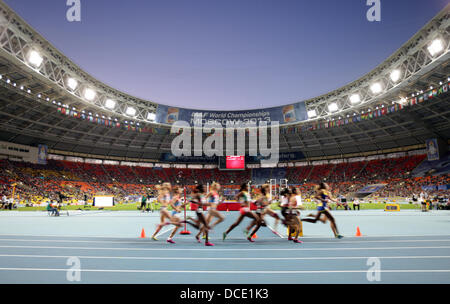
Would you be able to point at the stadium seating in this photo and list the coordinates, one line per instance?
(77, 179)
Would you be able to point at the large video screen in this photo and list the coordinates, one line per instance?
(232, 163)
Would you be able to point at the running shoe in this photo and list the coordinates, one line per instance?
(198, 239)
(154, 238)
(339, 236)
(209, 244)
(250, 240)
(298, 242)
(171, 241)
(224, 236)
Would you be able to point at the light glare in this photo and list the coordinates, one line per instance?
(89, 94)
(35, 59)
(436, 47)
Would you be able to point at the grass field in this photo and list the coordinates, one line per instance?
(133, 207)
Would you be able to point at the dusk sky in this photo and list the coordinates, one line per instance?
(227, 55)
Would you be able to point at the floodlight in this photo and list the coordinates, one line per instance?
(131, 111)
(436, 47)
(355, 98)
(333, 107)
(110, 104)
(89, 94)
(395, 75)
(35, 59)
(72, 83)
(376, 88)
(312, 113)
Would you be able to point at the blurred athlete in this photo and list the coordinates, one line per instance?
(323, 197)
(244, 198)
(263, 205)
(164, 198)
(177, 205)
(199, 198)
(214, 200)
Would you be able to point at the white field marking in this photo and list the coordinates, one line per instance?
(306, 237)
(146, 241)
(227, 271)
(220, 259)
(299, 247)
(164, 231)
(276, 232)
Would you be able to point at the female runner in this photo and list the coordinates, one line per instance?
(323, 196)
(201, 224)
(165, 200)
(214, 198)
(263, 204)
(293, 219)
(176, 203)
(244, 198)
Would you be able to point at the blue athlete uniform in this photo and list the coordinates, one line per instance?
(214, 201)
(176, 204)
(322, 204)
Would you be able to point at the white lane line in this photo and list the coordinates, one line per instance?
(228, 271)
(147, 241)
(164, 231)
(219, 259)
(299, 248)
(307, 237)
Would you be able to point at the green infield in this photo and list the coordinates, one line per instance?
(134, 207)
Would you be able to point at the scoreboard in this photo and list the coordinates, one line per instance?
(232, 163)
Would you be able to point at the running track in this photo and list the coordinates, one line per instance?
(36, 256)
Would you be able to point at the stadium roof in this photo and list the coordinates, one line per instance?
(39, 85)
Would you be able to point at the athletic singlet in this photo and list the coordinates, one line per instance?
(166, 198)
(176, 204)
(214, 201)
(298, 198)
(200, 203)
(262, 204)
(284, 201)
(245, 203)
(245, 198)
(322, 204)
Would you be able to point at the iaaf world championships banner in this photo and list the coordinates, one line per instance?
(286, 114)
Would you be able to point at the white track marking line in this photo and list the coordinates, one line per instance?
(164, 231)
(219, 259)
(307, 237)
(146, 241)
(226, 271)
(276, 232)
(299, 248)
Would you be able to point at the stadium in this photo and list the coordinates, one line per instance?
(82, 167)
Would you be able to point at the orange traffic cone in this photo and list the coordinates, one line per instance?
(143, 234)
(358, 232)
(254, 236)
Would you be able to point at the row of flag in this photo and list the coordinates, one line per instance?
(110, 123)
(370, 115)
(288, 130)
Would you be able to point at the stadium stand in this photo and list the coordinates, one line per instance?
(36, 182)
